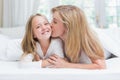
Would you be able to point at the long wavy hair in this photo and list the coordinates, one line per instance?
(79, 35)
(29, 42)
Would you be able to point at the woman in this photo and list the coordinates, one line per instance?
(82, 48)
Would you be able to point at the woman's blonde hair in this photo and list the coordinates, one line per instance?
(79, 36)
(29, 42)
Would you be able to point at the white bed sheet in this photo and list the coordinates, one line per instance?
(12, 71)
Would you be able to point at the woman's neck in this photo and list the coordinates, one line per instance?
(63, 37)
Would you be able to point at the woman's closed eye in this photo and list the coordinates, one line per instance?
(55, 22)
(47, 23)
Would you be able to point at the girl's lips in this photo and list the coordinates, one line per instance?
(45, 32)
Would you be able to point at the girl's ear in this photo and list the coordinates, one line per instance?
(34, 36)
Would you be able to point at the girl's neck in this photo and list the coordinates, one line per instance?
(44, 45)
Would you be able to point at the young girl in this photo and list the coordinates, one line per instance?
(37, 44)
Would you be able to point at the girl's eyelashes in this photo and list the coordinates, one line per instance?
(37, 27)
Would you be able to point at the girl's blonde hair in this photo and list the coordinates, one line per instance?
(29, 42)
(79, 36)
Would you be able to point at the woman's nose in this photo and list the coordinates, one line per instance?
(51, 24)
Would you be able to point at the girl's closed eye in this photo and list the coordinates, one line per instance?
(38, 27)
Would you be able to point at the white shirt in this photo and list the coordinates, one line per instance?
(54, 48)
(84, 59)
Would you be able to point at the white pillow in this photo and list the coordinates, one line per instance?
(14, 50)
(3, 45)
(108, 42)
(13, 32)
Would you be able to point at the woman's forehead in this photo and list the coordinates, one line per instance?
(56, 16)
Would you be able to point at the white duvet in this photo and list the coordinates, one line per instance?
(110, 39)
(12, 71)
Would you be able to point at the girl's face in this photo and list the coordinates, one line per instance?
(41, 28)
(58, 28)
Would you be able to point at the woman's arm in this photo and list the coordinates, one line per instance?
(45, 63)
(61, 63)
(97, 64)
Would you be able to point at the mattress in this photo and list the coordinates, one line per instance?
(12, 71)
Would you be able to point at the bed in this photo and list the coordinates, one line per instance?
(12, 71)
(10, 53)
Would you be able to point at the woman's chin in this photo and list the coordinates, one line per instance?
(54, 36)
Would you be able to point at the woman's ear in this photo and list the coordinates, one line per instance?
(66, 29)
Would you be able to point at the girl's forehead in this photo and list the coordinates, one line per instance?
(39, 19)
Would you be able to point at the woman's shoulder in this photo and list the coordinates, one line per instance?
(84, 58)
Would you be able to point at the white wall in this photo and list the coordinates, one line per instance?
(1, 9)
(16, 12)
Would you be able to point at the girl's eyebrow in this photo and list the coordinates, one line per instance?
(38, 25)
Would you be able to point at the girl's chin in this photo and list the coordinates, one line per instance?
(46, 36)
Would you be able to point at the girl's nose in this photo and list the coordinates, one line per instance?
(43, 27)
